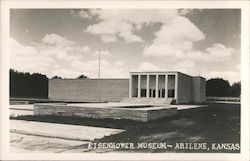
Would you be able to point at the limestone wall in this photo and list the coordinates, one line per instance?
(199, 90)
(190, 89)
(138, 114)
(149, 101)
(185, 85)
(87, 89)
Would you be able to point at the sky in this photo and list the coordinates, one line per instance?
(67, 42)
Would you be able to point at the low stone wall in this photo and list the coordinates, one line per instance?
(138, 114)
(149, 101)
(19, 102)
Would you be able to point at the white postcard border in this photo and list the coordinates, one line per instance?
(4, 110)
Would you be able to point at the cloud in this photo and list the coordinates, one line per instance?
(189, 67)
(109, 69)
(147, 66)
(91, 65)
(28, 58)
(52, 53)
(119, 63)
(173, 45)
(162, 49)
(231, 76)
(56, 55)
(56, 40)
(174, 39)
(129, 37)
(136, 16)
(181, 30)
(104, 53)
(82, 49)
(185, 65)
(111, 29)
(196, 62)
(123, 23)
(216, 53)
(83, 13)
(108, 38)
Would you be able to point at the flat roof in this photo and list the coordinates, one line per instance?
(160, 72)
(163, 72)
(88, 79)
(156, 72)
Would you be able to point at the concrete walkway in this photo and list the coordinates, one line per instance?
(62, 131)
(20, 110)
(28, 107)
(185, 107)
(15, 113)
(21, 143)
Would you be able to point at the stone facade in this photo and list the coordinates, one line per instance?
(191, 89)
(143, 114)
(154, 87)
(86, 90)
(199, 90)
(165, 85)
(149, 101)
(184, 88)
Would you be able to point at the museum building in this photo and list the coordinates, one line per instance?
(141, 87)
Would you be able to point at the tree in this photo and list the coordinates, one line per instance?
(56, 77)
(28, 85)
(235, 89)
(82, 77)
(217, 87)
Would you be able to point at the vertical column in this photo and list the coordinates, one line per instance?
(176, 87)
(157, 86)
(139, 86)
(130, 85)
(166, 86)
(147, 94)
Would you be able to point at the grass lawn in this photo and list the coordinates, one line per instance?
(217, 123)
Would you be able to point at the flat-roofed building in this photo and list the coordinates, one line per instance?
(175, 86)
(141, 87)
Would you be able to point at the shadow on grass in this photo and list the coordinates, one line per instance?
(217, 123)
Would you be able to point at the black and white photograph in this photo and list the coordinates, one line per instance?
(98, 80)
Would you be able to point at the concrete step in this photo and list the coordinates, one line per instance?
(149, 101)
